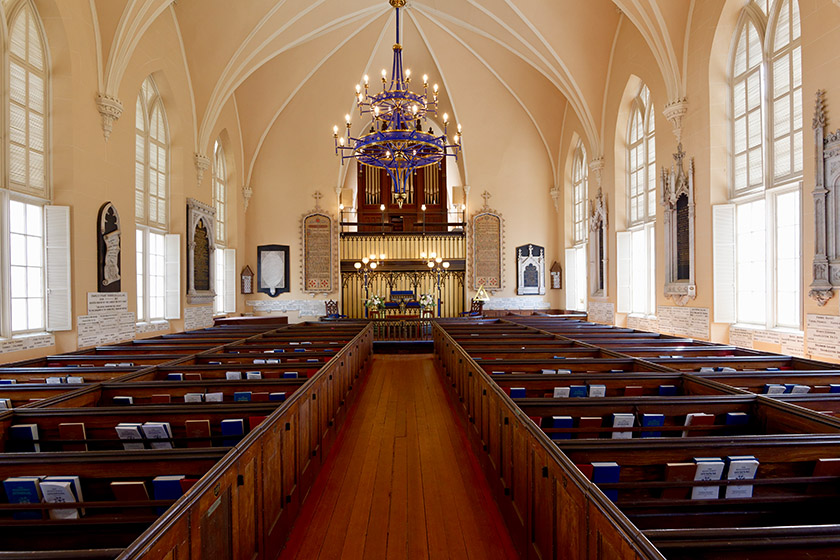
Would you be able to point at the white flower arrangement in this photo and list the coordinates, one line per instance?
(374, 302)
(427, 301)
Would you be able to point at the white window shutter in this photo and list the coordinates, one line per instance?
(172, 276)
(723, 221)
(571, 301)
(624, 248)
(57, 249)
(230, 281)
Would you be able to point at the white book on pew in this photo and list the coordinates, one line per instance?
(75, 379)
(597, 390)
(130, 431)
(707, 370)
(561, 392)
(708, 468)
(774, 389)
(549, 371)
(194, 397)
(158, 430)
(233, 375)
(55, 380)
(800, 389)
(5, 403)
(623, 420)
(59, 492)
(214, 397)
(740, 467)
(63, 489)
(564, 371)
(253, 375)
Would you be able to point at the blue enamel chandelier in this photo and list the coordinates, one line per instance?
(396, 141)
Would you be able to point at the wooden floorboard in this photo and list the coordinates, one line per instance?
(402, 481)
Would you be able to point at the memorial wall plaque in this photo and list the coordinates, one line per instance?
(273, 269)
(201, 247)
(318, 258)
(678, 200)
(108, 236)
(530, 270)
(683, 239)
(598, 224)
(487, 267)
(201, 264)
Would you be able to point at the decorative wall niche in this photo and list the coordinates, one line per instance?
(530, 270)
(678, 200)
(826, 264)
(201, 247)
(598, 229)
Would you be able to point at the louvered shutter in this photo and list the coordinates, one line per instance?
(570, 279)
(625, 271)
(172, 276)
(57, 260)
(723, 221)
(230, 281)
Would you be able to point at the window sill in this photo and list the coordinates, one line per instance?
(25, 335)
(759, 328)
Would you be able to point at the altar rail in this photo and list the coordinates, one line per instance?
(396, 330)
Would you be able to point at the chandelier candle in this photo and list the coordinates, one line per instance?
(396, 141)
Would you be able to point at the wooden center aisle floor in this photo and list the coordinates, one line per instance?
(402, 481)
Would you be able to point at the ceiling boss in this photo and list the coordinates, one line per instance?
(396, 140)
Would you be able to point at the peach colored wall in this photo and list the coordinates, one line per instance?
(87, 171)
(510, 150)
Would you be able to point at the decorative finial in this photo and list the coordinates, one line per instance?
(397, 3)
(819, 110)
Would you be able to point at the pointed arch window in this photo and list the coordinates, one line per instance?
(157, 253)
(225, 278)
(35, 240)
(641, 159)
(151, 158)
(28, 94)
(636, 272)
(580, 189)
(576, 260)
(758, 235)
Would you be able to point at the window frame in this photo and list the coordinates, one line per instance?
(580, 194)
(770, 187)
(147, 232)
(219, 193)
(149, 107)
(641, 105)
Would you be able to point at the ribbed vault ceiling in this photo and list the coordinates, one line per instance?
(537, 59)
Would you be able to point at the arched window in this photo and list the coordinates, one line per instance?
(576, 286)
(151, 158)
(641, 160)
(28, 85)
(219, 191)
(763, 221)
(225, 258)
(36, 300)
(580, 190)
(151, 183)
(636, 247)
